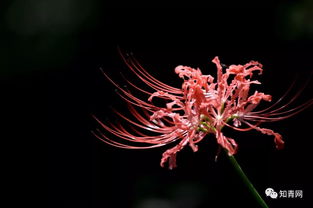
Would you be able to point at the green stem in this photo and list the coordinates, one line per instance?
(232, 159)
(246, 180)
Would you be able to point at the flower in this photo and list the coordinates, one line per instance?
(201, 106)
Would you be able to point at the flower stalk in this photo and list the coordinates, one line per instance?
(246, 181)
(239, 170)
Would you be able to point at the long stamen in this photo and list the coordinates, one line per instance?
(280, 99)
(270, 117)
(294, 97)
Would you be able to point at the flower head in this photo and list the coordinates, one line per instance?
(201, 106)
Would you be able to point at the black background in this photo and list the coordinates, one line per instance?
(56, 72)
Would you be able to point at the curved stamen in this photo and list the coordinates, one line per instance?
(294, 97)
(149, 79)
(109, 141)
(240, 129)
(280, 99)
(153, 79)
(269, 116)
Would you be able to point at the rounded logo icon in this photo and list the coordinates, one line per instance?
(271, 193)
(274, 195)
(268, 191)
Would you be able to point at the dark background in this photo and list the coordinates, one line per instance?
(51, 54)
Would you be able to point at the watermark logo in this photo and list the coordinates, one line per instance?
(269, 192)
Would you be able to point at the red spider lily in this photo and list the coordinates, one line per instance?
(202, 106)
